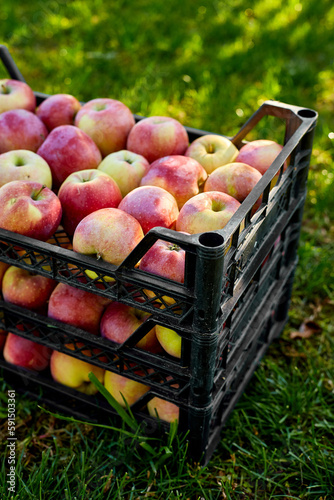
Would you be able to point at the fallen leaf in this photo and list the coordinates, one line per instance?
(306, 330)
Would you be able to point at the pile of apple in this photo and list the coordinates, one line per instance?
(107, 181)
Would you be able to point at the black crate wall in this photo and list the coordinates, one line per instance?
(233, 303)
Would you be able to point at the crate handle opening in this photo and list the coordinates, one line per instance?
(211, 239)
(306, 113)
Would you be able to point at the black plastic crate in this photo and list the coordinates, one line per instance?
(233, 303)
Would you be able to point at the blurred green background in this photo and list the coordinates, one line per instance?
(211, 65)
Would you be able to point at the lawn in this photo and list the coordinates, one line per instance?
(210, 65)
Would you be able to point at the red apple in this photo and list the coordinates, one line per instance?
(108, 122)
(58, 109)
(109, 234)
(124, 388)
(158, 136)
(152, 206)
(85, 192)
(24, 165)
(212, 151)
(77, 307)
(21, 129)
(26, 289)
(235, 179)
(179, 175)
(15, 94)
(119, 321)
(259, 154)
(68, 149)
(126, 168)
(164, 410)
(26, 353)
(206, 212)
(30, 209)
(74, 372)
(164, 259)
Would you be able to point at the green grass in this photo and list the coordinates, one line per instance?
(210, 65)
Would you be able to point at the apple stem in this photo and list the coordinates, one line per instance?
(174, 247)
(4, 89)
(35, 195)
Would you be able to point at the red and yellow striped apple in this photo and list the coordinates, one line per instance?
(68, 149)
(260, 154)
(15, 94)
(27, 289)
(152, 206)
(158, 136)
(58, 109)
(122, 387)
(21, 129)
(30, 209)
(77, 307)
(26, 353)
(181, 176)
(108, 122)
(206, 212)
(236, 179)
(84, 192)
(109, 234)
(119, 321)
(163, 409)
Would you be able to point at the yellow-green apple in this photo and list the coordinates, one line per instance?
(77, 307)
(109, 234)
(84, 192)
(152, 206)
(30, 209)
(24, 165)
(169, 340)
(3, 268)
(58, 109)
(126, 168)
(27, 289)
(164, 410)
(158, 136)
(212, 151)
(164, 259)
(107, 121)
(26, 353)
(15, 94)
(206, 212)
(21, 129)
(260, 154)
(119, 321)
(121, 387)
(236, 179)
(73, 372)
(181, 176)
(68, 149)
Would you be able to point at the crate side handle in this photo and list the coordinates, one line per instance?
(293, 116)
(10, 65)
